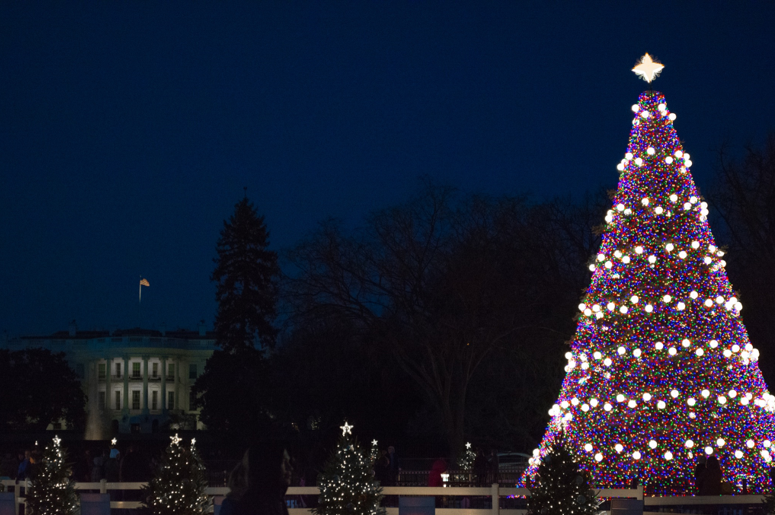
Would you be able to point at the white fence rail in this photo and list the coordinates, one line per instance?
(495, 493)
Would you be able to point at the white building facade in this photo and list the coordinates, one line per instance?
(136, 380)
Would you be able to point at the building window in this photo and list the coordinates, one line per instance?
(118, 399)
(136, 399)
(101, 368)
(170, 400)
(192, 400)
(155, 370)
(154, 400)
(192, 371)
(171, 372)
(118, 370)
(136, 369)
(102, 400)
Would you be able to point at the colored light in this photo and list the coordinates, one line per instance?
(688, 334)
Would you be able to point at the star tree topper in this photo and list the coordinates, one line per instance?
(57, 440)
(648, 69)
(175, 439)
(346, 428)
(113, 442)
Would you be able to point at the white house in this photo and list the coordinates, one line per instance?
(136, 380)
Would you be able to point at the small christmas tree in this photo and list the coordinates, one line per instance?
(51, 489)
(347, 485)
(561, 487)
(374, 452)
(466, 460)
(178, 485)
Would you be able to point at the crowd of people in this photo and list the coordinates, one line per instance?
(20, 467)
(94, 465)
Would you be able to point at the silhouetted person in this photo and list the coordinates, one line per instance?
(699, 472)
(494, 465)
(134, 469)
(480, 468)
(394, 466)
(23, 471)
(382, 468)
(98, 464)
(133, 466)
(437, 469)
(269, 476)
(710, 483)
(82, 468)
(112, 466)
(238, 485)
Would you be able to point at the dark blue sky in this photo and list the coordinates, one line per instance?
(128, 129)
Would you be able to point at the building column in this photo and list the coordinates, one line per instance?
(108, 392)
(164, 384)
(145, 384)
(177, 385)
(94, 386)
(125, 371)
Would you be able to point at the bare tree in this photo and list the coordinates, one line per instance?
(744, 197)
(444, 281)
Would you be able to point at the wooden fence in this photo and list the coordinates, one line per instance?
(495, 499)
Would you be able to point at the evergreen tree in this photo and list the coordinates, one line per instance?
(227, 376)
(245, 274)
(347, 485)
(179, 482)
(466, 460)
(560, 486)
(374, 454)
(661, 368)
(52, 491)
(769, 503)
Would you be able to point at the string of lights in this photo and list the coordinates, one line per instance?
(179, 482)
(661, 369)
(347, 483)
(52, 492)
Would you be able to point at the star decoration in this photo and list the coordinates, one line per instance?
(346, 428)
(175, 439)
(113, 442)
(374, 443)
(193, 442)
(57, 440)
(647, 69)
(468, 445)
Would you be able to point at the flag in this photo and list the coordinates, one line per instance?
(144, 282)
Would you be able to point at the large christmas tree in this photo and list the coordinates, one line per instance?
(347, 484)
(661, 369)
(51, 489)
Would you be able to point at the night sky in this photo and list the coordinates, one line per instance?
(129, 129)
